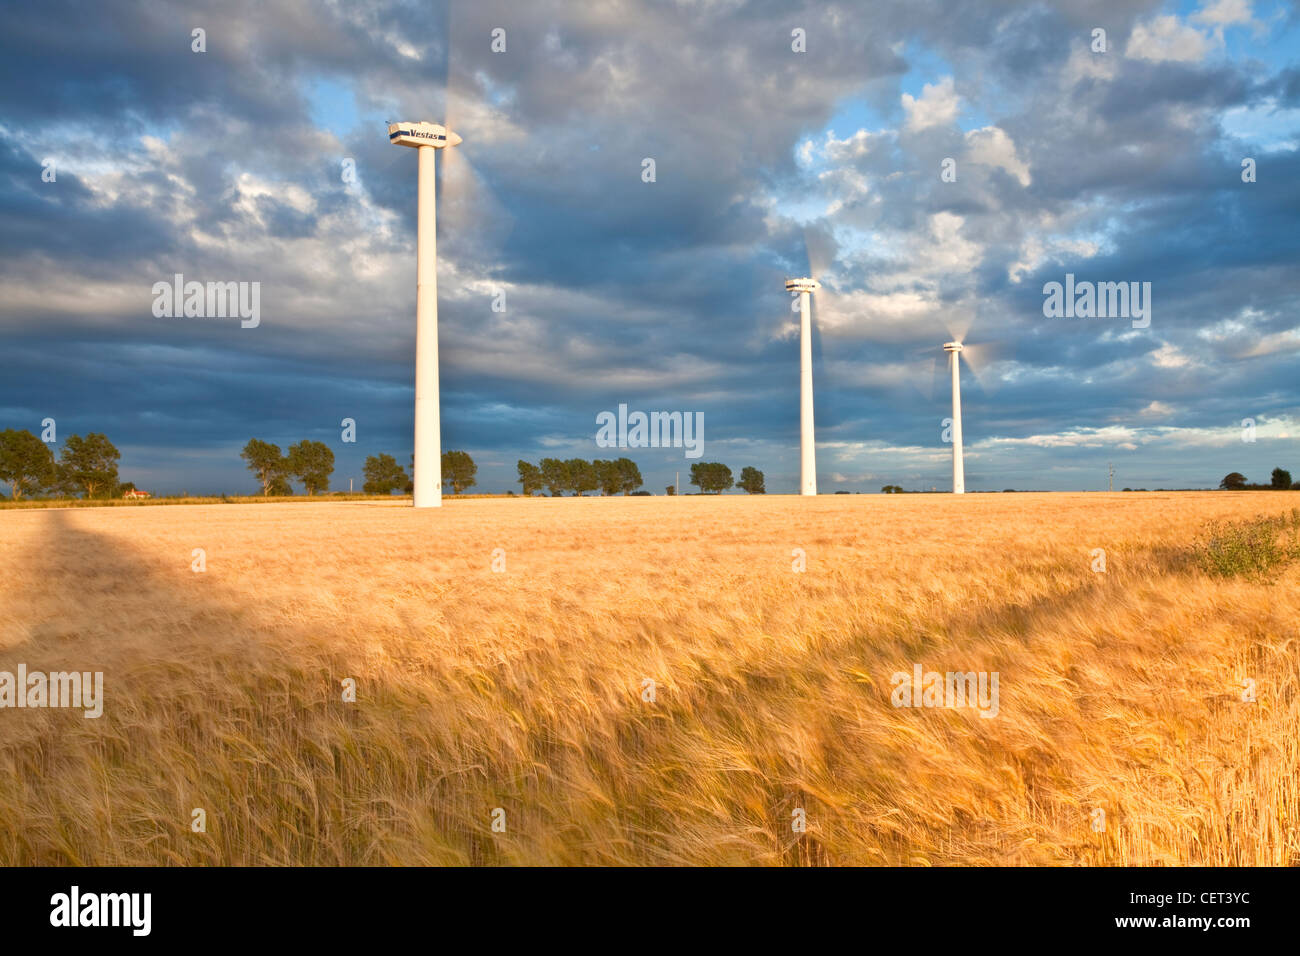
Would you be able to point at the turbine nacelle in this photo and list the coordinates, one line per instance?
(422, 134)
(951, 346)
(802, 285)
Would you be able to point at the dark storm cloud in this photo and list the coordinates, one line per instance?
(663, 295)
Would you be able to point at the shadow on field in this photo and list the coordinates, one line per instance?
(204, 709)
(91, 583)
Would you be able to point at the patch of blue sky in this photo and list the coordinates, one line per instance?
(333, 105)
(857, 112)
(1272, 36)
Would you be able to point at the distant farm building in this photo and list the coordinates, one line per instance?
(132, 493)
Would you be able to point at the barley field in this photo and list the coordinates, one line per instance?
(653, 681)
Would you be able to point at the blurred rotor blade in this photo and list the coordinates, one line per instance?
(986, 361)
(470, 210)
(923, 371)
(470, 213)
(958, 324)
(820, 247)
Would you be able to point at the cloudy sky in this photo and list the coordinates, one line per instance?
(265, 159)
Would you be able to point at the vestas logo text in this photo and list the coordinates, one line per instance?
(417, 134)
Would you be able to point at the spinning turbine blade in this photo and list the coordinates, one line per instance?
(958, 324)
(922, 371)
(982, 358)
(820, 249)
(471, 210)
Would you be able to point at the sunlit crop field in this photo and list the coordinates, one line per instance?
(651, 681)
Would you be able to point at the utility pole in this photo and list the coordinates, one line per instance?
(679, 483)
(1110, 477)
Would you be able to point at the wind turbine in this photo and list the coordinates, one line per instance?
(984, 358)
(426, 138)
(819, 247)
(954, 350)
(807, 446)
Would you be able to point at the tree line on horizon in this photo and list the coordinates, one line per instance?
(1280, 480)
(713, 478)
(384, 475)
(85, 466)
(623, 476)
(309, 462)
(312, 463)
(88, 467)
(579, 476)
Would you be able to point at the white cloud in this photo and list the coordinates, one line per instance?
(937, 106)
(1073, 438)
(1156, 410)
(991, 146)
(1286, 341)
(1130, 437)
(1167, 39)
(1035, 250)
(1084, 64)
(1239, 337)
(878, 312)
(1168, 356)
(1222, 13)
(856, 146)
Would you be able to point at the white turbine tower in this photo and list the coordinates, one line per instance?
(954, 350)
(426, 138)
(807, 447)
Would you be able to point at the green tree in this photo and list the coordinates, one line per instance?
(751, 481)
(670, 490)
(1233, 482)
(26, 463)
(582, 475)
(629, 475)
(383, 475)
(89, 465)
(1281, 479)
(711, 476)
(607, 477)
(530, 476)
(555, 475)
(265, 462)
(280, 487)
(458, 471)
(312, 463)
